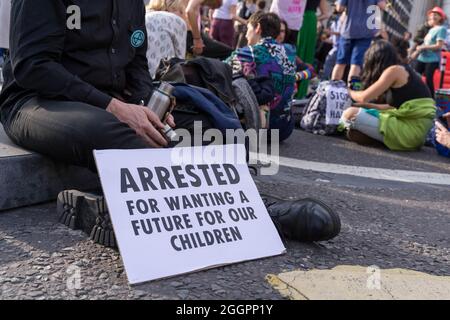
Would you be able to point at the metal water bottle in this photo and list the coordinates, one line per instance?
(161, 104)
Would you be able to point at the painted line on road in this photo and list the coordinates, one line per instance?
(364, 172)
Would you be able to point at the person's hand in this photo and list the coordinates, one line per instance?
(442, 134)
(197, 49)
(415, 55)
(142, 120)
(170, 121)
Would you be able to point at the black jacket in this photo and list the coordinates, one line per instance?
(105, 58)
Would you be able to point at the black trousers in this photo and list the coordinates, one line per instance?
(213, 49)
(70, 131)
(428, 69)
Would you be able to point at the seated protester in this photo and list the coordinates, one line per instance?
(305, 70)
(166, 32)
(265, 57)
(69, 92)
(403, 122)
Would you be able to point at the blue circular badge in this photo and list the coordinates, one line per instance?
(137, 38)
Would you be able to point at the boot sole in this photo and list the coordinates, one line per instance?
(81, 211)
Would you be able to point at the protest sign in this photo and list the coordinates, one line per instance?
(338, 100)
(179, 210)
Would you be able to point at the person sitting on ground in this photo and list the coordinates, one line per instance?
(404, 121)
(68, 92)
(166, 31)
(265, 57)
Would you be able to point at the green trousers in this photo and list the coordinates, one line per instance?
(306, 46)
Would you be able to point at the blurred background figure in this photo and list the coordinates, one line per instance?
(307, 38)
(292, 12)
(222, 22)
(335, 34)
(245, 9)
(198, 43)
(429, 53)
(166, 32)
(356, 36)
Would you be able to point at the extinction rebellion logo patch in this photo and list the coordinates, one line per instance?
(137, 38)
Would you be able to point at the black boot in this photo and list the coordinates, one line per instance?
(305, 220)
(88, 212)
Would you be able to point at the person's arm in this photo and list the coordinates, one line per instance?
(242, 61)
(235, 16)
(37, 45)
(139, 82)
(192, 11)
(434, 47)
(325, 12)
(389, 77)
(304, 70)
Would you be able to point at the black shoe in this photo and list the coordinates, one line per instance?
(305, 220)
(88, 212)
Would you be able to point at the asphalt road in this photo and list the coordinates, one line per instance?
(391, 224)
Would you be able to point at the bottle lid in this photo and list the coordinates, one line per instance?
(166, 87)
(169, 132)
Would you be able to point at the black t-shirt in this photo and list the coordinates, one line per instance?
(414, 89)
(312, 5)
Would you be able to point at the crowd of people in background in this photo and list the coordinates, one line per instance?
(279, 46)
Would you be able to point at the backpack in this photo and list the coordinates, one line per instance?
(324, 110)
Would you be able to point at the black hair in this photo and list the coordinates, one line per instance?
(402, 46)
(380, 56)
(287, 31)
(270, 24)
(261, 4)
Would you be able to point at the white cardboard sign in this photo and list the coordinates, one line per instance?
(338, 100)
(180, 210)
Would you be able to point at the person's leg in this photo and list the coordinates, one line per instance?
(360, 120)
(69, 131)
(343, 58)
(355, 71)
(430, 69)
(330, 62)
(215, 49)
(226, 32)
(359, 49)
(306, 47)
(419, 67)
(214, 30)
